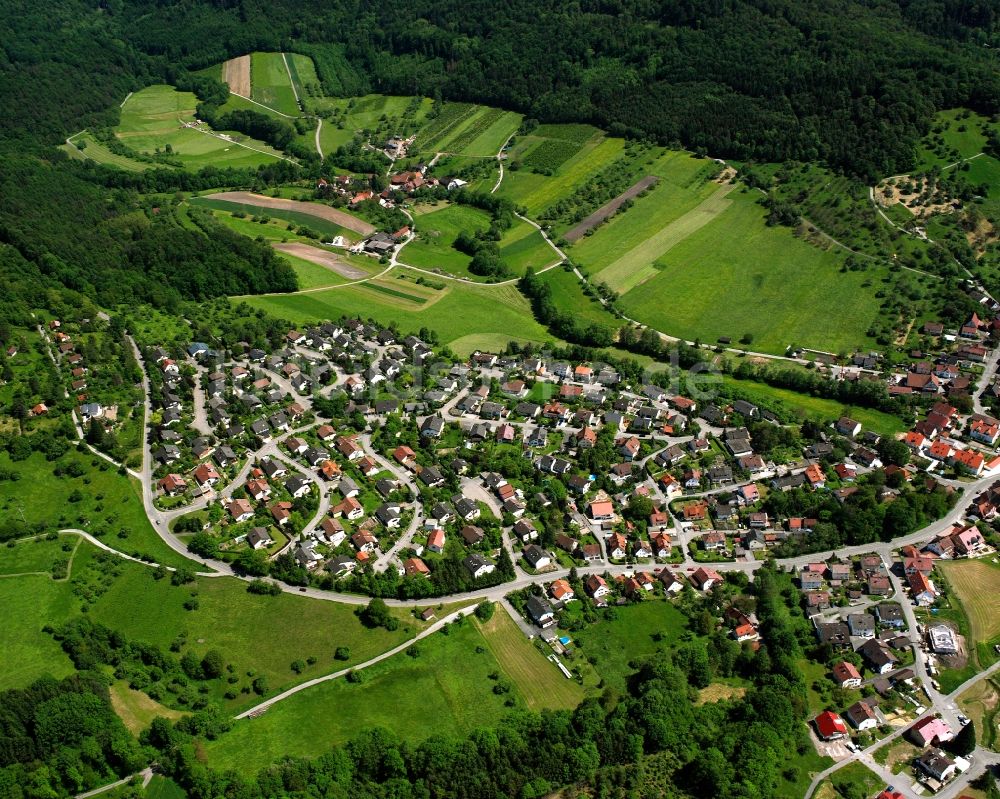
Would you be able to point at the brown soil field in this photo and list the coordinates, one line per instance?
(236, 72)
(313, 209)
(321, 257)
(608, 209)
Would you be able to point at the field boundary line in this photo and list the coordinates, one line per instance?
(220, 137)
(291, 80)
(262, 105)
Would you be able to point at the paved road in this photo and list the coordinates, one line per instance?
(146, 774)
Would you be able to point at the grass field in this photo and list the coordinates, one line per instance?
(816, 408)
(635, 266)
(539, 681)
(437, 228)
(980, 703)
(270, 83)
(736, 276)
(457, 311)
(521, 247)
(151, 119)
(35, 555)
(613, 644)
(357, 114)
(960, 138)
(26, 653)
(445, 691)
(109, 505)
(95, 151)
(136, 709)
(262, 634)
(568, 296)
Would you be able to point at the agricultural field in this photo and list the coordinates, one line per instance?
(538, 191)
(457, 311)
(322, 218)
(271, 83)
(540, 682)
(735, 276)
(636, 265)
(100, 501)
(976, 584)
(152, 122)
(416, 697)
(36, 556)
(683, 185)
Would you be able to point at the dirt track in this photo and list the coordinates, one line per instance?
(321, 257)
(236, 72)
(345, 220)
(579, 231)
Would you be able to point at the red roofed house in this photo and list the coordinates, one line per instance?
(846, 675)
(704, 578)
(969, 460)
(172, 484)
(930, 730)
(602, 510)
(561, 591)
(415, 566)
(596, 586)
(205, 475)
(830, 726)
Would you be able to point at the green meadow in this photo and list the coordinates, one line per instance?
(736, 276)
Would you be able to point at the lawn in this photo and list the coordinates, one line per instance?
(271, 84)
(151, 119)
(736, 276)
(460, 310)
(445, 691)
(626, 635)
(853, 780)
(537, 679)
(101, 501)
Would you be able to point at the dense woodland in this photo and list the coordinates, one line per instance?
(849, 83)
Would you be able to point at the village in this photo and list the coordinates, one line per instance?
(354, 458)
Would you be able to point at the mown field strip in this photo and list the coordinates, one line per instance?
(636, 266)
